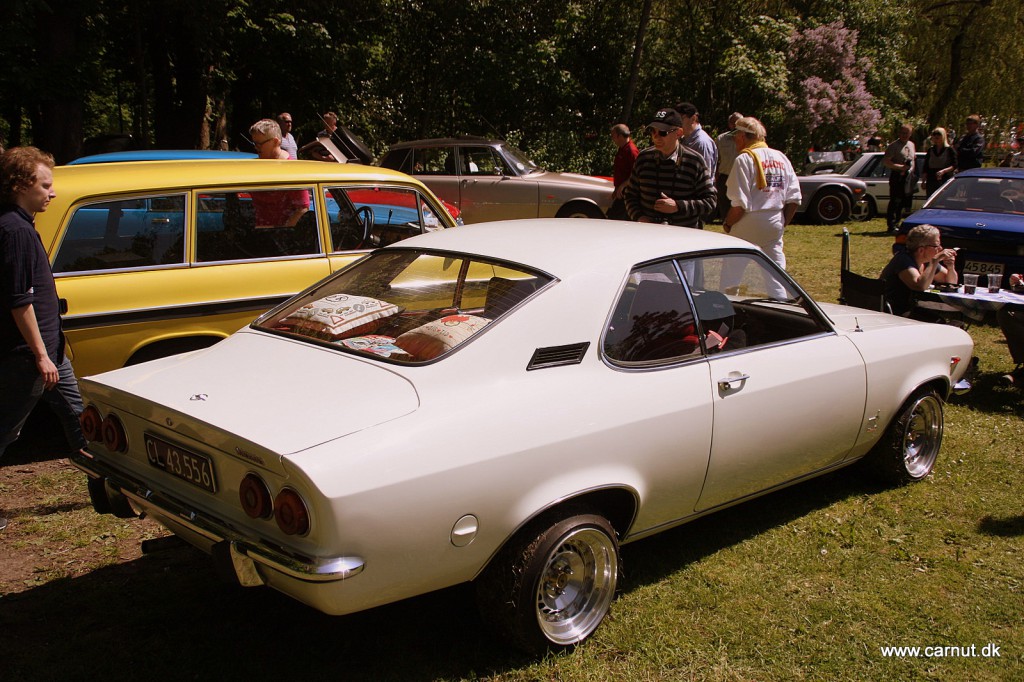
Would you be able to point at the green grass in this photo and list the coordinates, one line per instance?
(805, 584)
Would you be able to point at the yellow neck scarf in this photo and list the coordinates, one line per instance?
(762, 182)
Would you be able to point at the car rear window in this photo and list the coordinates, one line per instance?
(988, 195)
(404, 305)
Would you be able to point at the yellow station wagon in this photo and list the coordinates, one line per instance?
(162, 257)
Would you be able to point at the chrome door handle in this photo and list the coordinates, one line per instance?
(160, 221)
(733, 378)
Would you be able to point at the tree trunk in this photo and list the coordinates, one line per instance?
(634, 69)
(58, 127)
(938, 112)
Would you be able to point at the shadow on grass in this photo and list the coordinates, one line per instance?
(988, 394)
(167, 616)
(1006, 528)
(651, 560)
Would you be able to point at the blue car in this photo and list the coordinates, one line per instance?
(161, 155)
(981, 212)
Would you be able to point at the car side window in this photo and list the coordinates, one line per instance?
(255, 224)
(434, 161)
(369, 217)
(125, 233)
(480, 161)
(652, 322)
(399, 160)
(876, 169)
(743, 301)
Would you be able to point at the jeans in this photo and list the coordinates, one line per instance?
(23, 388)
(897, 199)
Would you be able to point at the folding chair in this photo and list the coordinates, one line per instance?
(858, 290)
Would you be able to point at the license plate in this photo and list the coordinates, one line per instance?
(981, 268)
(189, 466)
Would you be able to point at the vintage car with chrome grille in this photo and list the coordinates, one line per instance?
(159, 257)
(505, 404)
(870, 169)
(831, 198)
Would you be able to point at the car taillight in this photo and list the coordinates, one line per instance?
(113, 434)
(92, 423)
(290, 513)
(255, 497)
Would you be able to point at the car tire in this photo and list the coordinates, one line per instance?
(829, 206)
(550, 587)
(871, 211)
(580, 210)
(910, 446)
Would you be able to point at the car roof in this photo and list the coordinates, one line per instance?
(438, 141)
(1017, 173)
(106, 178)
(90, 181)
(161, 155)
(560, 246)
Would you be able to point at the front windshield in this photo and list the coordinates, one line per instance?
(405, 305)
(983, 194)
(520, 161)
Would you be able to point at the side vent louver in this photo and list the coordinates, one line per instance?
(557, 356)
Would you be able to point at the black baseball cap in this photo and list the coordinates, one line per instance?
(666, 119)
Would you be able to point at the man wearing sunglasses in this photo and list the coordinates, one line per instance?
(670, 183)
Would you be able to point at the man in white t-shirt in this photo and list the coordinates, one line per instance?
(764, 193)
(288, 143)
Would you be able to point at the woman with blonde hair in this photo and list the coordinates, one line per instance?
(940, 162)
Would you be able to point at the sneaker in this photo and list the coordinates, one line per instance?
(3, 523)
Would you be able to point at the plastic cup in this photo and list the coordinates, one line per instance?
(993, 283)
(970, 283)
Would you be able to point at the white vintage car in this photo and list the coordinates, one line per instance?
(507, 403)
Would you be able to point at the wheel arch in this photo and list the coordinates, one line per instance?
(939, 384)
(845, 189)
(583, 205)
(164, 347)
(618, 504)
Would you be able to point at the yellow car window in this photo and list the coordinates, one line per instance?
(256, 224)
(126, 233)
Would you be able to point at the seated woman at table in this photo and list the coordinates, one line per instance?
(923, 264)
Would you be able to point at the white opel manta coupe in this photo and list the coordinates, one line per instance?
(505, 404)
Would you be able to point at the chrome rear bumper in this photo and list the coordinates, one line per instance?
(235, 553)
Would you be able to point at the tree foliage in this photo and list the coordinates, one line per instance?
(551, 75)
(829, 97)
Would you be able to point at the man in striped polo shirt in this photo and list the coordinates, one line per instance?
(670, 183)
